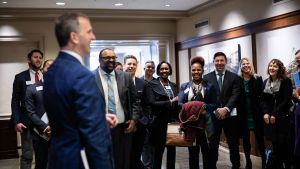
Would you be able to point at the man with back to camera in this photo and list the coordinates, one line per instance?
(19, 116)
(73, 103)
(39, 126)
(130, 65)
(228, 91)
(118, 91)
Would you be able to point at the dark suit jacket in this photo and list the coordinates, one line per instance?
(34, 104)
(229, 95)
(76, 116)
(209, 97)
(144, 111)
(127, 93)
(18, 110)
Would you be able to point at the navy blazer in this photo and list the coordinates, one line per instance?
(145, 112)
(229, 95)
(18, 110)
(76, 116)
(209, 95)
(127, 93)
(34, 103)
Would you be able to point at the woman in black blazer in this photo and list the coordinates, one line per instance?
(249, 109)
(276, 102)
(163, 99)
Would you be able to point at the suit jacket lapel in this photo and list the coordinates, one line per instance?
(215, 82)
(99, 83)
(119, 80)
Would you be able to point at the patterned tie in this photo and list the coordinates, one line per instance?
(220, 80)
(111, 96)
(37, 79)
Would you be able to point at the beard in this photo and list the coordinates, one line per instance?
(34, 66)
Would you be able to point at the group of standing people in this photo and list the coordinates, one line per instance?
(111, 119)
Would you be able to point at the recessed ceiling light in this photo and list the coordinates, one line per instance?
(167, 5)
(119, 4)
(4, 2)
(60, 3)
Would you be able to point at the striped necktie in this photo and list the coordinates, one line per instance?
(111, 96)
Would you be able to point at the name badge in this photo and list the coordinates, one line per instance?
(168, 87)
(29, 82)
(186, 90)
(39, 88)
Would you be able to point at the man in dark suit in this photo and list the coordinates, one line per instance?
(79, 132)
(39, 126)
(40, 129)
(19, 116)
(118, 90)
(228, 91)
(130, 65)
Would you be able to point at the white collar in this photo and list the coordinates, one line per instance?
(75, 55)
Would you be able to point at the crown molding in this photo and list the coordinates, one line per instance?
(102, 14)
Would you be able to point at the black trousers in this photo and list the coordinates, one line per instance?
(137, 148)
(40, 147)
(122, 144)
(230, 127)
(201, 142)
(247, 146)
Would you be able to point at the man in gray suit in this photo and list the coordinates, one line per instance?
(118, 91)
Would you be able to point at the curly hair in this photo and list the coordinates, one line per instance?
(281, 74)
(197, 59)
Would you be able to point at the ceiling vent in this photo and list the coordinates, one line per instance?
(201, 24)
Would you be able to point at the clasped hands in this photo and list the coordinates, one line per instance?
(269, 119)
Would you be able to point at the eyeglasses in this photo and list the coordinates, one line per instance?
(109, 58)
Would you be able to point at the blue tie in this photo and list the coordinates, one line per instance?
(111, 96)
(220, 80)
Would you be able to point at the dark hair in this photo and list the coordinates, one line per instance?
(298, 51)
(100, 53)
(159, 65)
(118, 64)
(220, 54)
(281, 69)
(33, 51)
(45, 62)
(197, 59)
(65, 24)
(150, 61)
(129, 57)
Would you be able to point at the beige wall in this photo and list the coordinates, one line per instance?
(232, 13)
(163, 30)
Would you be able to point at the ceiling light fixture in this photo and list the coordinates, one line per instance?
(60, 3)
(167, 5)
(119, 4)
(4, 2)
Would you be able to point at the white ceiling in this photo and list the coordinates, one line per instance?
(177, 5)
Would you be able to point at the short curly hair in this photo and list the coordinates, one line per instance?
(197, 59)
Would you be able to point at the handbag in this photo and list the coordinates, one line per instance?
(175, 137)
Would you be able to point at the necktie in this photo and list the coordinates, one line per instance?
(220, 80)
(111, 96)
(37, 80)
